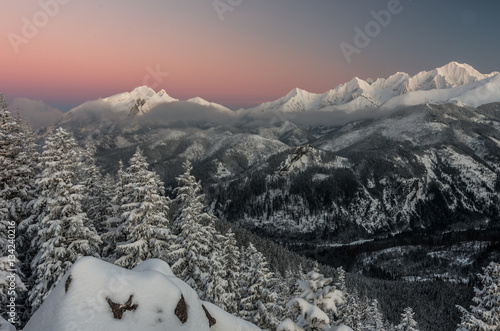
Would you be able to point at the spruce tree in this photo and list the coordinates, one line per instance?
(485, 314)
(316, 300)
(62, 236)
(111, 235)
(258, 297)
(18, 164)
(375, 319)
(198, 244)
(96, 202)
(231, 262)
(407, 323)
(143, 213)
(352, 314)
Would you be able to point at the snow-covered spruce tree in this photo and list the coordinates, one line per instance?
(231, 273)
(341, 285)
(198, 244)
(63, 236)
(258, 297)
(215, 284)
(407, 323)
(317, 298)
(485, 315)
(97, 200)
(18, 161)
(143, 212)
(111, 235)
(374, 320)
(351, 313)
(189, 195)
(18, 164)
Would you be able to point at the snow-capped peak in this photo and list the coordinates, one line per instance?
(296, 100)
(216, 106)
(139, 101)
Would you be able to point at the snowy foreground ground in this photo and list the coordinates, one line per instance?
(95, 295)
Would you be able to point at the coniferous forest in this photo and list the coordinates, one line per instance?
(58, 206)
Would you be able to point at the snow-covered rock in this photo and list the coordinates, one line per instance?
(95, 295)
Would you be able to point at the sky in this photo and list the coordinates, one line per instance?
(238, 53)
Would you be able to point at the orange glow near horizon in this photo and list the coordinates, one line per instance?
(69, 60)
(89, 49)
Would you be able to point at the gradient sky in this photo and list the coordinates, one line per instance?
(261, 50)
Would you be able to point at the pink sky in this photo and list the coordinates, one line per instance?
(259, 52)
(97, 49)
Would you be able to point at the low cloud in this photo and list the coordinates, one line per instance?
(337, 117)
(183, 113)
(37, 113)
(92, 112)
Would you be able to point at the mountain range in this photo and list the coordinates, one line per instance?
(453, 83)
(412, 156)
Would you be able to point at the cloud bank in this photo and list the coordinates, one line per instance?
(37, 113)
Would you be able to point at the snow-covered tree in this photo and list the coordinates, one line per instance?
(341, 280)
(62, 235)
(197, 251)
(215, 284)
(18, 164)
(318, 291)
(316, 299)
(288, 325)
(407, 323)
(485, 314)
(231, 273)
(143, 212)
(352, 313)
(258, 298)
(111, 236)
(374, 320)
(97, 200)
(309, 316)
(189, 199)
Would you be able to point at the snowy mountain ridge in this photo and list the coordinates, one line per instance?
(452, 83)
(366, 94)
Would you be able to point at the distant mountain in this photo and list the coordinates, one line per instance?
(139, 101)
(213, 105)
(454, 82)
